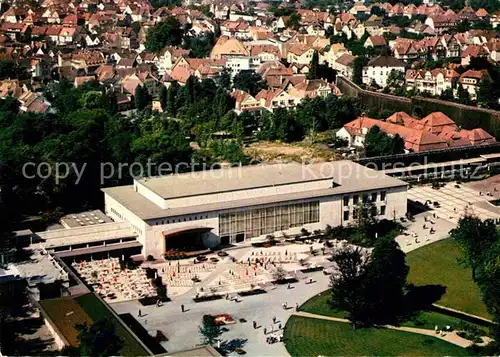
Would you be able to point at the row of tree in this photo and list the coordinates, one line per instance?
(480, 243)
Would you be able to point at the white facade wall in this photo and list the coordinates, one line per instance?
(119, 213)
(379, 74)
(238, 64)
(59, 340)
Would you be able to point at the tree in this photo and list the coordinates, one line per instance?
(293, 21)
(447, 94)
(279, 274)
(387, 273)
(378, 143)
(163, 97)
(99, 339)
(249, 81)
(357, 71)
(313, 72)
(491, 6)
(141, 97)
(396, 79)
(224, 79)
(209, 331)
(463, 95)
(488, 94)
(348, 284)
(171, 100)
(200, 46)
(168, 32)
(474, 237)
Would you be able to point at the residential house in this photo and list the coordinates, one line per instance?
(344, 65)
(226, 46)
(245, 102)
(312, 88)
(433, 82)
(239, 29)
(470, 80)
(167, 57)
(442, 23)
(331, 53)
(379, 69)
(237, 64)
(272, 99)
(266, 53)
(375, 41)
(471, 51)
(300, 53)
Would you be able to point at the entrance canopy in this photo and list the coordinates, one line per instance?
(186, 230)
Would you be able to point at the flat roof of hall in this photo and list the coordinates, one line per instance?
(234, 178)
(346, 177)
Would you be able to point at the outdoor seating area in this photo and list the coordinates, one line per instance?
(112, 283)
(279, 254)
(238, 277)
(179, 276)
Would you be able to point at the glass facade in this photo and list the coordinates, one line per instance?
(237, 226)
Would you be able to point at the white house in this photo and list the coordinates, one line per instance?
(378, 69)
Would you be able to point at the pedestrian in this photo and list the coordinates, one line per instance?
(182, 308)
(297, 306)
(288, 287)
(145, 322)
(285, 305)
(265, 331)
(274, 319)
(140, 314)
(254, 325)
(279, 327)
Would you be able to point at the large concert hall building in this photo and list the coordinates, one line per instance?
(238, 204)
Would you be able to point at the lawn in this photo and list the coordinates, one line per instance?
(318, 304)
(313, 337)
(438, 264)
(96, 310)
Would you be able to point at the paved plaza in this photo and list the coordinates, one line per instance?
(182, 328)
(455, 200)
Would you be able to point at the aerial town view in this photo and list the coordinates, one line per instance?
(199, 178)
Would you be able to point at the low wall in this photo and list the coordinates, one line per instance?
(467, 116)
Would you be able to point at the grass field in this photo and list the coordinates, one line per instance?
(437, 263)
(313, 337)
(318, 304)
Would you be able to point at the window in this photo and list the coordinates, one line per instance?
(254, 222)
(365, 198)
(355, 214)
(382, 210)
(374, 196)
(382, 196)
(346, 215)
(355, 199)
(346, 200)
